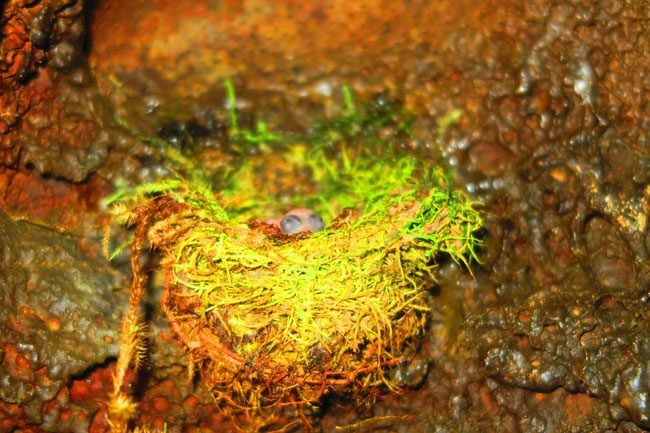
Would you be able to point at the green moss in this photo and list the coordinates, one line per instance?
(259, 280)
(286, 318)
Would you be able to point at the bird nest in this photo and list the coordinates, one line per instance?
(272, 320)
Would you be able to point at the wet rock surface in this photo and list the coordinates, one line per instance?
(550, 334)
(573, 341)
(59, 316)
(53, 118)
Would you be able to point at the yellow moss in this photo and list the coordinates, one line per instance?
(272, 320)
(275, 318)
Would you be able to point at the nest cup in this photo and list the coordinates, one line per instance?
(272, 320)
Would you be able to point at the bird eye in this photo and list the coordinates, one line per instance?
(315, 222)
(290, 225)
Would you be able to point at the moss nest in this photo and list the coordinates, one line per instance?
(272, 320)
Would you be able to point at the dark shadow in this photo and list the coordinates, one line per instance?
(89, 14)
(92, 368)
